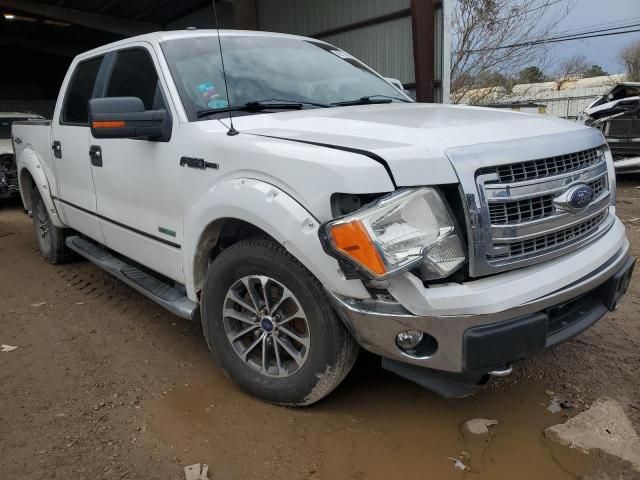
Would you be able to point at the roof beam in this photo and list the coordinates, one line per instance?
(56, 47)
(97, 21)
(107, 5)
(152, 8)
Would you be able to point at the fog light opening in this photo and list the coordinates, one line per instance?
(416, 343)
(409, 340)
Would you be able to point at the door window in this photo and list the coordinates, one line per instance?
(134, 75)
(79, 91)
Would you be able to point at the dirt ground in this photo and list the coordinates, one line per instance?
(105, 384)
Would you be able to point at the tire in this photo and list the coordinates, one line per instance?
(49, 237)
(323, 352)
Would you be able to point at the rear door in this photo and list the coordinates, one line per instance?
(138, 196)
(70, 144)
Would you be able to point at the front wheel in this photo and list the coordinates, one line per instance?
(268, 321)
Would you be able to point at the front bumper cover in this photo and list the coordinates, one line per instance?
(470, 346)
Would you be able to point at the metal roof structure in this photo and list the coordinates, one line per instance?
(67, 27)
(38, 38)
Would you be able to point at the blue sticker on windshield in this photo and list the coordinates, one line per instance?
(211, 96)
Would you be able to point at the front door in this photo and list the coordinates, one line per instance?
(137, 190)
(70, 151)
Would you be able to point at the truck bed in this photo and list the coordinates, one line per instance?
(33, 138)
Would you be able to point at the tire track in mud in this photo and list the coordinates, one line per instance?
(91, 283)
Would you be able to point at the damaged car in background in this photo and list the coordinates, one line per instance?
(8, 170)
(617, 115)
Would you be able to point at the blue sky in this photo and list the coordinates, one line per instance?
(603, 50)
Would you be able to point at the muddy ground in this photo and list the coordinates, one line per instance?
(105, 384)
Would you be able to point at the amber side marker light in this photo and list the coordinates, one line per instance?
(352, 240)
(110, 124)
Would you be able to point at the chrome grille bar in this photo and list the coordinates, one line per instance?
(540, 244)
(533, 208)
(544, 167)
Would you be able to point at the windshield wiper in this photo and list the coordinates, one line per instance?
(370, 100)
(259, 106)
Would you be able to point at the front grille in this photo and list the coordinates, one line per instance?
(545, 167)
(536, 208)
(519, 205)
(553, 241)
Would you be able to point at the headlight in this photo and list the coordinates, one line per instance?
(405, 230)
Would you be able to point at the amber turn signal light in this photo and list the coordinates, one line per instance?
(110, 124)
(352, 240)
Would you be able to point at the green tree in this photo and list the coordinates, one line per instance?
(531, 74)
(595, 71)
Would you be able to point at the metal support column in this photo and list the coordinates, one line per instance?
(423, 23)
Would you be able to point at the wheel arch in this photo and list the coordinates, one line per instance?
(240, 208)
(218, 235)
(31, 176)
(27, 186)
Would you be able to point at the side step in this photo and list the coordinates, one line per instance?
(150, 286)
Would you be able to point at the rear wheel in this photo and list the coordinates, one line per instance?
(50, 238)
(268, 321)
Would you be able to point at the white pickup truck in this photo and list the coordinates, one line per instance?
(333, 213)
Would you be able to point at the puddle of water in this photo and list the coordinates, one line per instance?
(376, 426)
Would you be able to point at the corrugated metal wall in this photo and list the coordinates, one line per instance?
(387, 47)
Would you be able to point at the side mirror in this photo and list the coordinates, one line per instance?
(396, 83)
(126, 117)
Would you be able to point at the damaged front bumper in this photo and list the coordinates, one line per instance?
(461, 350)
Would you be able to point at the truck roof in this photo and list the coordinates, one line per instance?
(161, 36)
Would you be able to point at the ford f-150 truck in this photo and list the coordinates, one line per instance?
(301, 207)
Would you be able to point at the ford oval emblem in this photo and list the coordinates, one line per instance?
(580, 196)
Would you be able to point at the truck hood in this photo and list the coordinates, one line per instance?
(412, 139)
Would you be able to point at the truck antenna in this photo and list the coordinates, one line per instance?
(232, 131)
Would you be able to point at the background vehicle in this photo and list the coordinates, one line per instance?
(335, 212)
(8, 170)
(617, 115)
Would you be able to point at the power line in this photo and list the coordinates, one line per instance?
(566, 38)
(589, 32)
(604, 24)
(597, 25)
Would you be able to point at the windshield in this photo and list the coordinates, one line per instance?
(268, 69)
(5, 126)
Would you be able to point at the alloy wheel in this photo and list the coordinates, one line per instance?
(266, 326)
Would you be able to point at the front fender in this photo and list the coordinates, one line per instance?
(276, 213)
(29, 166)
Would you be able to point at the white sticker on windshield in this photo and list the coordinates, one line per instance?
(341, 54)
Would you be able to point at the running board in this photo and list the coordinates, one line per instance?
(150, 286)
